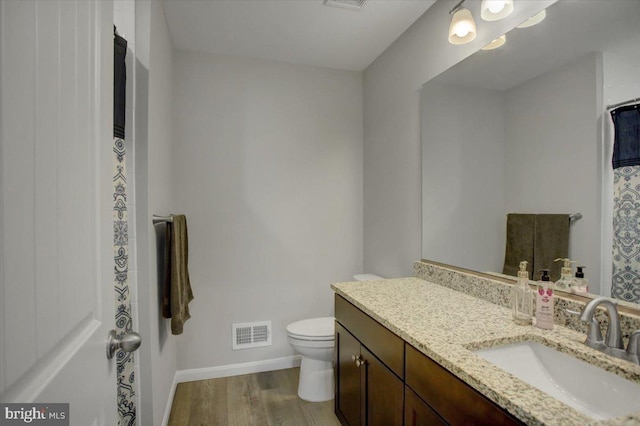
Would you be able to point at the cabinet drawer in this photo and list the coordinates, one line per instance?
(450, 397)
(388, 347)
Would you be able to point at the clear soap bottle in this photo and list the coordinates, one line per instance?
(522, 297)
(566, 275)
(580, 283)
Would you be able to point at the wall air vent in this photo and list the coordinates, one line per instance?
(251, 334)
(346, 4)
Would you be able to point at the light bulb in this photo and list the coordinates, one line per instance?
(463, 28)
(494, 10)
(495, 6)
(496, 43)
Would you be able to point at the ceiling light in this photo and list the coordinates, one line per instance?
(535, 19)
(494, 10)
(496, 43)
(463, 28)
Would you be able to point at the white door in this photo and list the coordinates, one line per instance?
(56, 256)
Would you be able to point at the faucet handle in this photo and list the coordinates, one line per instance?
(633, 347)
(594, 334)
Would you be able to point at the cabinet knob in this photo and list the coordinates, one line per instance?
(358, 360)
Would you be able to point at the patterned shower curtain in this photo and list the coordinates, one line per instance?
(125, 360)
(626, 204)
(124, 324)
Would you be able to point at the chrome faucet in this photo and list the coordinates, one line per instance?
(612, 345)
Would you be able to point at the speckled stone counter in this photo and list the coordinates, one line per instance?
(447, 325)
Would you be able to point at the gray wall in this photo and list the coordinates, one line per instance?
(463, 151)
(268, 170)
(530, 149)
(392, 195)
(552, 153)
(154, 170)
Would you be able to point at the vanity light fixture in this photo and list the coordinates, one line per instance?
(463, 28)
(494, 10)
(496, 43)
(535, 19)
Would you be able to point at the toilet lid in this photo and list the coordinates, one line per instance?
(312, 328)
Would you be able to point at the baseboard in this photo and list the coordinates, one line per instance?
(169, 404)
(206, 373)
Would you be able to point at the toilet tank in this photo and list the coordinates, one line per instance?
(367, 277)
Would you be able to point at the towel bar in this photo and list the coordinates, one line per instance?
(161, 219)
(575, 216)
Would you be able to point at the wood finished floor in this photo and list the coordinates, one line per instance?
(268, 398)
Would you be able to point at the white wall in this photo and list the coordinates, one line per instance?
(463, 149)
(392, 196)
(154, 171)
(554, 120)
(268, 170)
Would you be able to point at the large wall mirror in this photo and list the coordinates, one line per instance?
(525, 129)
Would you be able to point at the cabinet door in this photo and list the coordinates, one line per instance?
(383, 392)
(417, 412)
(348, 395)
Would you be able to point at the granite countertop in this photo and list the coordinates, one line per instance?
(447, 325)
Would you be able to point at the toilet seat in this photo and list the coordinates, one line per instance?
(314, 329)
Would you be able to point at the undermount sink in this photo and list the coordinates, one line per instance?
(587, 388)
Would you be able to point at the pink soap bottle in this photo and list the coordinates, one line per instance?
(544, 302)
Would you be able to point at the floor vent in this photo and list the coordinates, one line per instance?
(251, 334)
(346, 4)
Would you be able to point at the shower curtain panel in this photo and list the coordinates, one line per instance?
(626, 204)
(125, 360)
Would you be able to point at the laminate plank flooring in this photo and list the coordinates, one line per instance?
(268, 398)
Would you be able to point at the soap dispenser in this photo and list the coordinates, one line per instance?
(544, 302)
(522, 297)
(580, 283)
(566, 275)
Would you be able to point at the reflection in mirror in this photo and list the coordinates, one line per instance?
(525, 129)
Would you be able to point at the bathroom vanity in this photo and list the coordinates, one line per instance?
(405, 355)
(370, 383)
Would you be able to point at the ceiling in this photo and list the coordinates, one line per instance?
(295, 31)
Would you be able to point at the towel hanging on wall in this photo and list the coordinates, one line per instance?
(177, 291)
(626, 146)
(119, 84)
(538, 239)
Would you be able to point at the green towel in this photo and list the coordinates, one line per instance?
(177, 288)
(520, 243)
(539, 239)
(551, 242)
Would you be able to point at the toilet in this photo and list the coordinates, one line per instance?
(314, 339)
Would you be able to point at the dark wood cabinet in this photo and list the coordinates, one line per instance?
(453, 400)
(383, 392)
(417, 412)
(367, 391)
(383, 381)
(348, 381)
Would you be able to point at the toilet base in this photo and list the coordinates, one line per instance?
(316, 380)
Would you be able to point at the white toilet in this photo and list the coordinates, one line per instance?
(314, 339)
